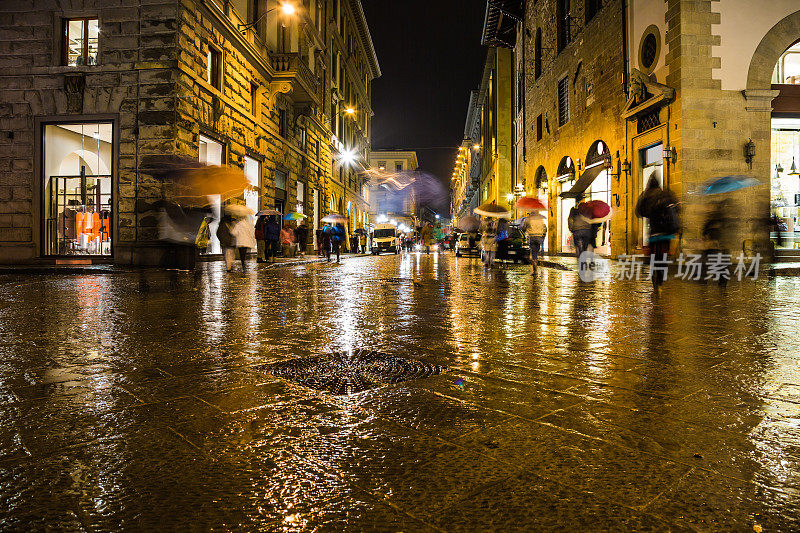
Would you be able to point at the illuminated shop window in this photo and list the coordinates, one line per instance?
(81, 37)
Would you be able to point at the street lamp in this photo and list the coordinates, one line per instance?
(350, 110)
(287, 8)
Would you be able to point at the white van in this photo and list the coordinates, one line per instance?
(385, 238)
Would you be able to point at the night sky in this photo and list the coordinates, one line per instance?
(431, 57)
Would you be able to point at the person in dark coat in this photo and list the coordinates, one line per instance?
(272, 234)
(301, 236)
(325, 241)
(338, 235)
(226, 240)
(261, 238)
(660, 207)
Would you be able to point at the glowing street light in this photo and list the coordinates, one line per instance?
(476, 147)
(350, 110)
(287, 8)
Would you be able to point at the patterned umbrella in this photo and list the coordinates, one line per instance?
(294, 216)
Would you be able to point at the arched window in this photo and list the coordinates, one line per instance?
(537, 54)
(333, 203)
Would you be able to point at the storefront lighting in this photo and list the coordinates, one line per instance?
(793, 169)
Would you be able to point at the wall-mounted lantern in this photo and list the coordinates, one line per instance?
(749, 152)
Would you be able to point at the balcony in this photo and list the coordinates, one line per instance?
(291, 68)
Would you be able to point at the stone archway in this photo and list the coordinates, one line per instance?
(772, 45)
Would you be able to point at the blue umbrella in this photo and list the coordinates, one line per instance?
(728, 184)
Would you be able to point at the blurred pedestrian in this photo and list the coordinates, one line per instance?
(535, 230)
(661, 208)
(338, 236)
(489, 241)
(244, 238)
(580, 227)
(320, 250)
(301, 236)
(363, 239)
(502, 238)
(288, 248)
(714, 233)
(326, 241)
(427, 237)
(272, 236)
(226, 240)
(261, 238)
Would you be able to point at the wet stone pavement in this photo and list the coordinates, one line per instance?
(146, 402)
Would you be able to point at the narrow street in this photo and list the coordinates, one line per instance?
(146, 401)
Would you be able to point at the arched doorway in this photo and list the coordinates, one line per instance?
(565, 179)
(774, 76)
(542, 191)
(785, 150)
(599, 157)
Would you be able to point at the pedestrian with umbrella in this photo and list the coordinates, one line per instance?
(660, 207)
(535, 229)
(580, 227)
(236, 233)
(265, 233)
(301, 236)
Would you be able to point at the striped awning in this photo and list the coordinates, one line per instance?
(500, 23)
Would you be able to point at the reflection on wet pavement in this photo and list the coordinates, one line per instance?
(130, 405)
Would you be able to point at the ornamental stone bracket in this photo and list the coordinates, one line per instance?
(74, 85)
(759, 100)
(645, 95)
(276, 87)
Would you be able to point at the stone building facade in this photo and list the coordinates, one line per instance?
(90, 90)
(610, 94)
(392, 194)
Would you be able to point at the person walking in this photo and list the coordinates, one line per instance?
(535, 229)
(326, 241)
(427, 237)
(489, 241)
(261, 239)
(363, 241)
(581, 229)
(272, 236)
(662, 210)
(287, 241)
(244, 239)
(338, 236)
(226, 241)
(301, 237)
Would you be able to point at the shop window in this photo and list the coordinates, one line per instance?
(252, 171)
(787, 70)
(537, 54)
(563, 20)
(211, 152)
(592, 8)
(77, 197)
(214, 67)
(563, 101)
(81, 39)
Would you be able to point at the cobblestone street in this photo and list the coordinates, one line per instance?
(146, 402)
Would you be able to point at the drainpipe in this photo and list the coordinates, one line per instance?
(628, 175)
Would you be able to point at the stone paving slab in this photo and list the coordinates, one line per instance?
(564, 406)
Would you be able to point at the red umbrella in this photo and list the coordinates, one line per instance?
(595, 210)
(531, 203)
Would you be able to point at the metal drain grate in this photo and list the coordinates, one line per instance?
(346, 373)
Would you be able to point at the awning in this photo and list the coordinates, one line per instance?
(500, 23)
(584, 181)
